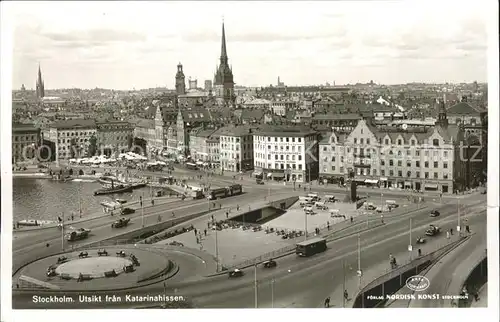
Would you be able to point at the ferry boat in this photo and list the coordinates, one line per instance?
(114, 189)
(34, 222)
(108, 181)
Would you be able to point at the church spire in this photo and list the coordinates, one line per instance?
(223, 50)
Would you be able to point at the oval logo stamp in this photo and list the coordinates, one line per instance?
(417, 283)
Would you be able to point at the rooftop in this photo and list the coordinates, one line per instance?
(284, 131)
(72, 124)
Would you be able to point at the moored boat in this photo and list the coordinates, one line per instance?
(115, 189)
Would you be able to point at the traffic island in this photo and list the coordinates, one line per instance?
(96, 269)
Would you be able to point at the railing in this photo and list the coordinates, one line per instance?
(408, 264)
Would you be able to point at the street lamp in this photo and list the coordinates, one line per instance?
(410, 245)
(272, 293)
(255, 286)
(359, 272)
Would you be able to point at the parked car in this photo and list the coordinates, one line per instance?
(236, 273)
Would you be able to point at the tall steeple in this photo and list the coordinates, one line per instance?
(442, 117)
(40, 88)
(180, 81)
(223, 50)
(223, 78)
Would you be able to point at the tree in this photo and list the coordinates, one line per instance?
(92, 145)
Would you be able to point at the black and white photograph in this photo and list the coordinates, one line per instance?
(250, 155)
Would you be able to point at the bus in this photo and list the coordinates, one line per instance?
(310, 247)
(191, 166)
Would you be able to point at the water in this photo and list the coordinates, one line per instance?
(44, 199)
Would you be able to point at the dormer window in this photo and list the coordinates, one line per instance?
(435, 142)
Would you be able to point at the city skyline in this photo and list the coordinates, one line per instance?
(337, 42)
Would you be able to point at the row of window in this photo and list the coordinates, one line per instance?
(281, 148)
(75, 133)
(278, 166)
(366, 172)
(281, 139)
(391, 162)
(280, 157)
(370, 151)
(18, 138)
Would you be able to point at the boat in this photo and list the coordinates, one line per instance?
(138, 185)
(118, 189)
(108, 181)
(121, 201)
(83, 180)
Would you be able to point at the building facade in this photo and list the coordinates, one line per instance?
(188, 119)
(289, 154)
(236, 148)
(418, 159)
(72, 137)
(204, 145)
(26, 139)
(114, 136)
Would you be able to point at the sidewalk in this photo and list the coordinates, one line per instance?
(373, 272)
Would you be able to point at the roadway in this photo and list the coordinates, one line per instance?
(27, 249)
(294, 277)
(442, 274)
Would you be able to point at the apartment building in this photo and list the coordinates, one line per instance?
(204, 145)
(113, 136)
(236, 148)
(286, 153)
(26, 139)
(415, 158)
(72, 137)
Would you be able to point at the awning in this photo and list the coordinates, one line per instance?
(407, 183)
(431, 185)
(278, 175)
(371, 181)
(383, 179)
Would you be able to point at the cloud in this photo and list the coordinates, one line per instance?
(262, 37)
(92, 37)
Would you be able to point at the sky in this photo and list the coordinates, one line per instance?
(125, 45)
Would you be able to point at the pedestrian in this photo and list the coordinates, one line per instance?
(327, 302)
(47, 245)
(419, 252)
(227, 215)
(346, 295)
(205, 231)
(220, 206)
(237, 207)
(152, 202)
(382, 218)
(467, 229)
(212, 217)
(72, 217)
(195, 231)
(328, 225)
(451, 231)
(352, 219)
(448, 235)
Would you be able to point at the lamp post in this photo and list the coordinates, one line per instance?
(142, 209)
(343, 284)
(359, 272)
(62, 232)
(305, 224)
(216, 247)
(458, 215)
(410, 245)
(255, 286)
(272, 293)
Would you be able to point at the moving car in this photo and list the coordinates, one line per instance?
(435, 213)
(432, 230)
(127, 211)
(77, 234)
(122, 222)
(420, 240)
(236, 273)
